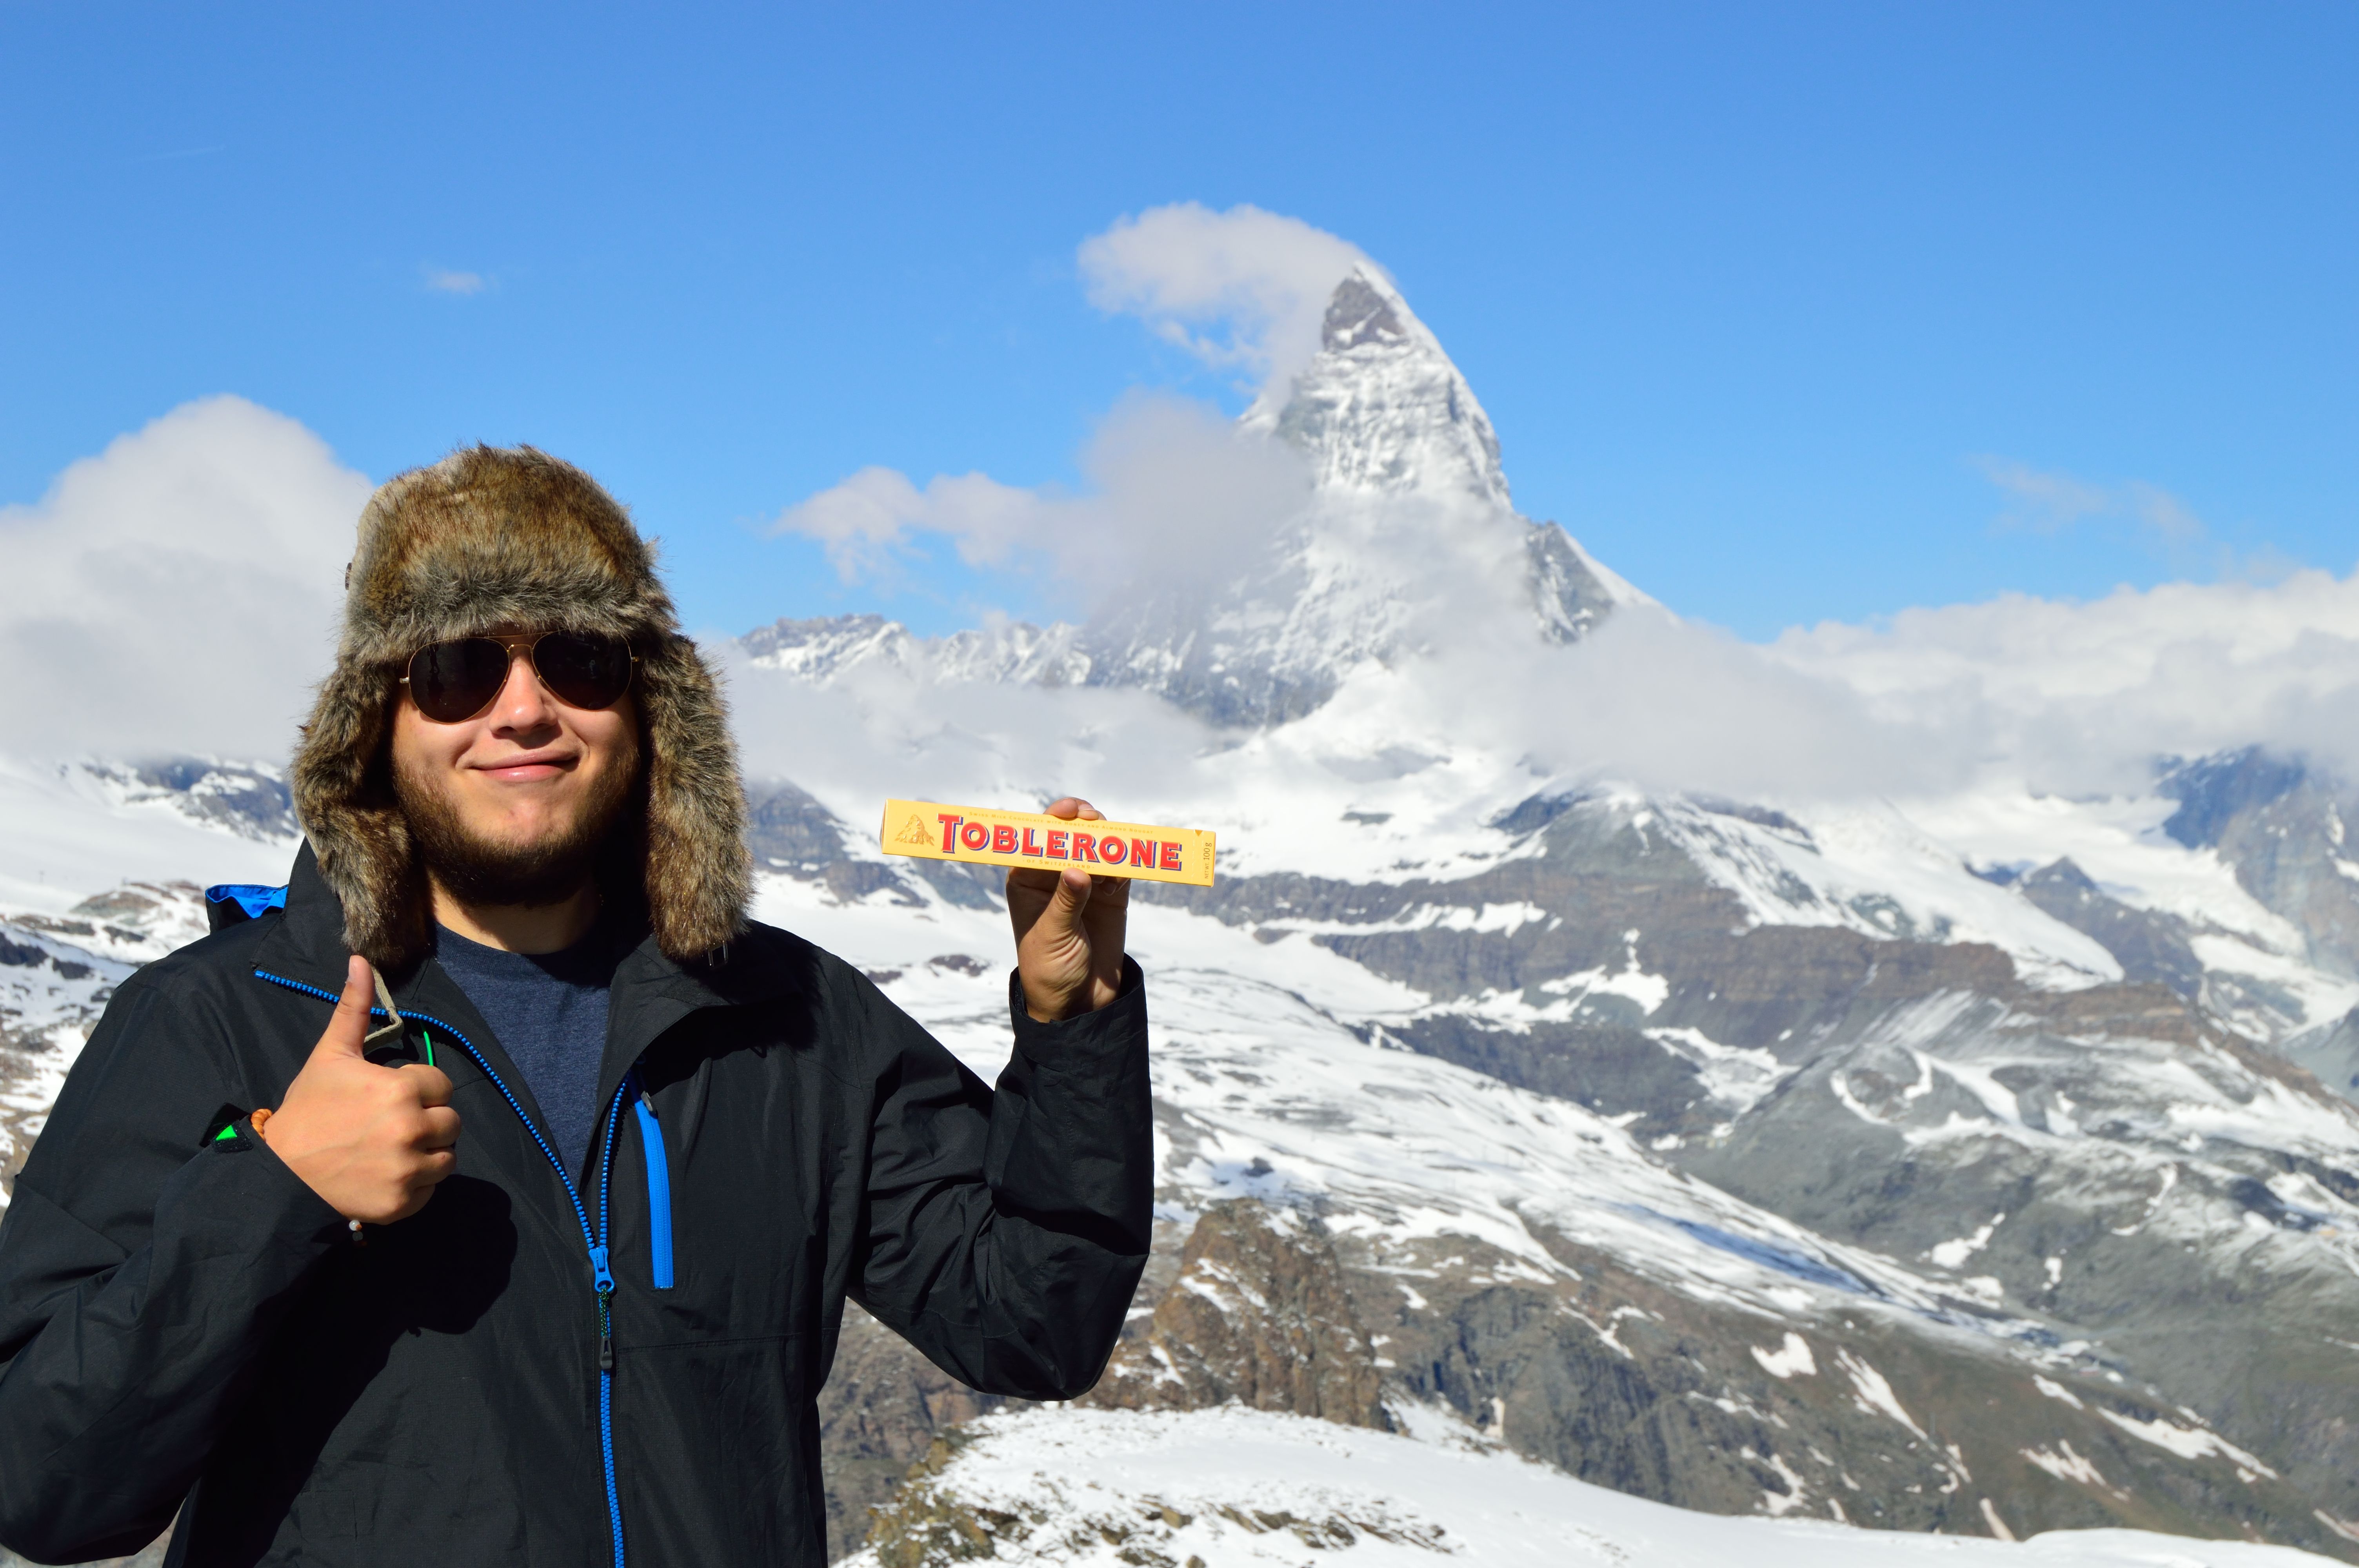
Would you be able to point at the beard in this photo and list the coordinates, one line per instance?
(487, 873)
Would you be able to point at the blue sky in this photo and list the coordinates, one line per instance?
(1764, 301)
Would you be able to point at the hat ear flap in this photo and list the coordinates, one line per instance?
(342, 783)
(699, 872)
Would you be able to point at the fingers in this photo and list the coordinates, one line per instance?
(441, 1128)
(430, 1084)
(348, 1026)
(1039, 878)
(1073, 805)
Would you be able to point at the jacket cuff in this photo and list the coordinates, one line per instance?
(1111, 1027)
(239, 1183)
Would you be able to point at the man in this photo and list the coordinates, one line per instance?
(497, 1201)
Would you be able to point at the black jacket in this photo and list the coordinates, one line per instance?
(182, 1318)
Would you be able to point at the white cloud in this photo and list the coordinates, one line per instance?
(2085, 695)
(1242, 288)
(177, 592)
(1173, 484)
(2047, 503)
(445, 281)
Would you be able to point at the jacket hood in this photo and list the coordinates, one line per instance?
(493, 536)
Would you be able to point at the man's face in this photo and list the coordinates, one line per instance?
(511, 806)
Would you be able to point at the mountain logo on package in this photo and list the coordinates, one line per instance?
(914, 832)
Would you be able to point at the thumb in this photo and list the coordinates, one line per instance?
(348, 1026)
(1063, 915)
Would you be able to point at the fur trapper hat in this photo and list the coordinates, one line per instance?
(493, 536)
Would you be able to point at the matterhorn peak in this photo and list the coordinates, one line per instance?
(1380, 409)
(1381, 416)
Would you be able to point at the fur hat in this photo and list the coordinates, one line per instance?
(493, 536)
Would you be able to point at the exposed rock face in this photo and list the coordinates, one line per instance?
(881, 1411)
(2282, 826)
(1381, 410)
(1620, 1382)
(1260, 1315)
(2151, 947)
(1605, 1375)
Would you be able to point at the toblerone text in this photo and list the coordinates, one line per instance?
(936, 832)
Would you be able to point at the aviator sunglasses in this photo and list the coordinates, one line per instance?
(453, 682)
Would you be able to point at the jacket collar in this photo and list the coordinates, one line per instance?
(651, 991)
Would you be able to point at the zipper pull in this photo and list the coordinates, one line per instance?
(604, 1278)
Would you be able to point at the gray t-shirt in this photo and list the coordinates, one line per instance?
(549, 1012)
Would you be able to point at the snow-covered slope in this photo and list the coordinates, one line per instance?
(1237, 1488)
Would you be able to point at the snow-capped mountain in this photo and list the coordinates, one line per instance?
(1406, 504)
(1931, 1163)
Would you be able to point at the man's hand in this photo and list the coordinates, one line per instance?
(372, 1141)
(1068, 932)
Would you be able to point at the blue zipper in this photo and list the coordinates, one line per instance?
(601, 1274)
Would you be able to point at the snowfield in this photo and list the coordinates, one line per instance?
(1239, 1488)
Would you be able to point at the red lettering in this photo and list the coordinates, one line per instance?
(1141, 853)
(1056, 845)
(1171, 861)
(1029, 847)
(1085, 846)
(950, 833)
(1110, 850)
(1003, 838)
(975, 836)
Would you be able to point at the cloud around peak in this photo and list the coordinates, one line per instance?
(1160, 470)
(1244, 288)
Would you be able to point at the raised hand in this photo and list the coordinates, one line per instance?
(1068, 932)
(372, 1141)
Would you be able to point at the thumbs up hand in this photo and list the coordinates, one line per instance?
(372, 1141)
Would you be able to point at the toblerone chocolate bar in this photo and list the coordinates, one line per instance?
(932, 831)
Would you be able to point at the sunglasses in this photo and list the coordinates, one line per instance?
(455, 681)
